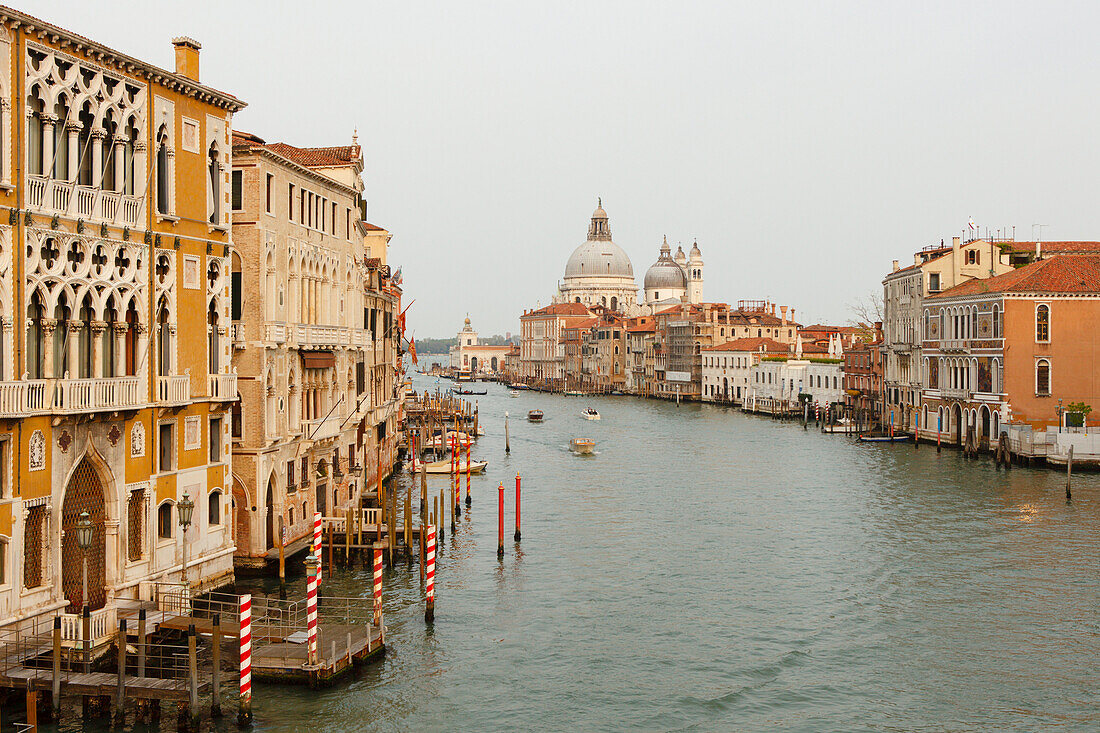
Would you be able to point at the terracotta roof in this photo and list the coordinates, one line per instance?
(762, 318)
(820, 328)
(1067, 247)
(642, 328)
(334, 157)
(1062, 274)
(560, 309)
(372, 228)
(751, 344)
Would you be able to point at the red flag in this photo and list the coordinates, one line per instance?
(412, 349)
(401, 322)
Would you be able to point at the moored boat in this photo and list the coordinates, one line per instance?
(883, 438)
(437, 467)
(582, 446)
(535, 416)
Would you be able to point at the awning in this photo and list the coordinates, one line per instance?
(318, 359)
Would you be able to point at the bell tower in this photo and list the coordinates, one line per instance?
(695, 274)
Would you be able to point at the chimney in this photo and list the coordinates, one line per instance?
(792, 315)
(955, 244)
(187, 57)
(896, 268)
(783, 310)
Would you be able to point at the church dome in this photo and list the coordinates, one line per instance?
(599, 259)
(599, 256)
(665, 274)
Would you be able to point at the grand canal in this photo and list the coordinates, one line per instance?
(709, 570)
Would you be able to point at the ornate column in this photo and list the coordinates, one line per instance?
(49, 325)
(141, 167)
(72, 129)
(118, 343)
(72, 346)
(49, 123)
(120, 163)
(98, 135)
(112, 576)
(97, 330)
(7, 369)
(171, 181)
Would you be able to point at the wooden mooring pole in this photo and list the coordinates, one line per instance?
(120, 689)
(216, 677)
(1069, 474)
(507, 445)
(517, 535)
(282, 560)
(56, 688)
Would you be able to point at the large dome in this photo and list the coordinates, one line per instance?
(598, 259)
(599, 256)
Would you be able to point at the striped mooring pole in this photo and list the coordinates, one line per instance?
(429, 594)
(469, 440)
(244, 714)
(378, 586)
(317, 543)
(313, 572)
(500, 521)
(517, 535)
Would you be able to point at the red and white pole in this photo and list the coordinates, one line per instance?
(378, 586)
(429, 559)
(244, 714)
(500, 521)
(313, 568)
(317, 543)
(456, 489)
(469, 441)
(517, 536)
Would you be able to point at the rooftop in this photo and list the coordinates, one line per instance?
(751, 344)
(1070, 273)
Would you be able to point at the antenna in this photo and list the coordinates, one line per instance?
(1039, 240)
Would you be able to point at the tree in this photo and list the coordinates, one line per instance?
(866, 312)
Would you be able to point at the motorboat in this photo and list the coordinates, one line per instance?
(534, 416)
(518, 385)
(573, 393)
(883, 438)
(437, 467)
(589, 413)
(582, 446)
(513, 393)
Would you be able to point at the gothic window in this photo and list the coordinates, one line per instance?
(107, 339)
(212, 345)
(164, 341)
(236, 288)
(83, 173)
(35, 349)
(61, 337)
(1042, 323)
(1042, 377)
(163, 182)
(33, 533)
(84, 339)
(214, 172)
(135, 525)
(238, 191)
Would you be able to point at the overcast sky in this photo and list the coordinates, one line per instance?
(805, 145)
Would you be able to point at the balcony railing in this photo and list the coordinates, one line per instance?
(174, 389)
(223, 387)
(321, 428)
(104, 623)
(20, 398)
(97, 394)
(275, 332)
(956, 345)
(237, 332)
(85, 202)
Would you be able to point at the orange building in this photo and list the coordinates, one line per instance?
(1014, 349)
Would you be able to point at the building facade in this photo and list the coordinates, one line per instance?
(728, 368)
(469, 356)
(117, 380)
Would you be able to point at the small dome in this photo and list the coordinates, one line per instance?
(665, 274)
(680, 258)
(695, 254)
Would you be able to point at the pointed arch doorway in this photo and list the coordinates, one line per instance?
(84, 493)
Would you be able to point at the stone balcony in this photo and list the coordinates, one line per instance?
(66, 198)
(222, 387)
(321, 428)
(98, 394)
(174, 389)
(24, 397)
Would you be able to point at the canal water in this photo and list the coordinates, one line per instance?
(708, 570)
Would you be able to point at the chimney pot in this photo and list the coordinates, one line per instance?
(954, 243)
(896, 268)
(187, 57)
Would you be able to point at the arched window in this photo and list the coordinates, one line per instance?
(614, 303)
(35, 348)
(164, 521)
(1042, 323)
(84, 340)
(214, 168)
(164, 341)
(212, 341)
(107, 342)
(61, 337)
(237, 283)
(1042, 377)
(163, 182)
(973, 323)
(996, 321)
(131, 339)
(214, 508)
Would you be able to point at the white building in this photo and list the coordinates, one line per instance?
(470, 355)
(668, 281)
(728, 367)
(599, 272)
(821, 376)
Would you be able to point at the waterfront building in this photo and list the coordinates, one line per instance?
(934, 270)
(862, 381)
(1016, 349)
(639, 353)
(305, 339)
(114, 306)
(542, 353)
(727, 368)
(469, 356)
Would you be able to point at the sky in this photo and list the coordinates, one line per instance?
(803, 145)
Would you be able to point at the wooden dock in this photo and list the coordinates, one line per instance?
(339, 646)
(101, 683)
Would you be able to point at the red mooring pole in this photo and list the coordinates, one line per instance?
(517, 535)
(500, 521)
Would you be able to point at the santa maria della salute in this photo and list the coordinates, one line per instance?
(599, 273)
